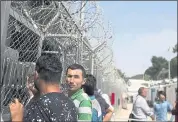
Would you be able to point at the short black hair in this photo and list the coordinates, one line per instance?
(77, 66)
(89, 85)
(49, 68)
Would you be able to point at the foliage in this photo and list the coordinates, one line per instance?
(138, 76)
(159, 68)
(158, 64)
(173, 67)
(122, 74)
(175, 49)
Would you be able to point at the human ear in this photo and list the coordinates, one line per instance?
(84, 80)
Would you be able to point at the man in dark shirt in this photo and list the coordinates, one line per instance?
(106, 109)
(52, 105)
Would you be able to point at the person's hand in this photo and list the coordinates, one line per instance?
(174, 111)
(153, 117)
(30, 86)
(16, 110)
(174, 104)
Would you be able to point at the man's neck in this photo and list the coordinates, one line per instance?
(161, 101)
(49, 88)
(70, 93)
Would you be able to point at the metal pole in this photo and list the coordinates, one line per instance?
(169, 69)
(83, 34)
(92, 63)
(169, 61)
(5, 10)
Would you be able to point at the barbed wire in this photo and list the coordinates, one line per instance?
(45, 26)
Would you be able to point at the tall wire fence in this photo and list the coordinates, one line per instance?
(67, 29)
(73, 30)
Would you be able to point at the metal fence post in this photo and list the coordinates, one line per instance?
(5, 9)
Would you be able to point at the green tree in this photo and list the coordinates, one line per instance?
(158, 64)
(122, 74)
(147, 77)
(174, 63)
(173, 67)
(175, 49)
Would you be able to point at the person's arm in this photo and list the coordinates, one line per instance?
(174, 111)
(109, 113)
(16, 110)
(85, 110)
(169, 107)
(108, 108)
(146, 109)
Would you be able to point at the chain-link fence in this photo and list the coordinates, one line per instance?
(65, 28)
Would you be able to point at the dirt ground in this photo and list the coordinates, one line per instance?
(123, 114)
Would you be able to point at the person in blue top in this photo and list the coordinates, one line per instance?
(162, 107)
(89, 88)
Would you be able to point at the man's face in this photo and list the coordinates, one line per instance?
(162, 97)
(144, 93)
(74, 79)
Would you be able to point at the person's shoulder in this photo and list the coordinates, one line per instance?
(155, 103)
(30, 104)
(167, 102)
(102, 102)
(51, 98)
(83, 96)
(95, 102)
(84, 100)
(141, 98)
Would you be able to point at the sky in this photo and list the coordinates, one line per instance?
(141, 29)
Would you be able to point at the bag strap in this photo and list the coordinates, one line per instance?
(135, 102)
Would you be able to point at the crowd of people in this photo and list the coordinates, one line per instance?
(48, 102)
(83, 101)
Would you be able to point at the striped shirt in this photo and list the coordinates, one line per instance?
(83, 104)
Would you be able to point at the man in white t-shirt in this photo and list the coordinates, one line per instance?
(107, 99)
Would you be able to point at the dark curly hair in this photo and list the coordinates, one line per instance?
(49, 67)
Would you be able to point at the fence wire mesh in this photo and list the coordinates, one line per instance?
(74, 31)
(69, 29)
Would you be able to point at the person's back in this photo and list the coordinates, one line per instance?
(51, 107)
(107, 99)
(104, 105)
(140, 107)
(96, 110)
